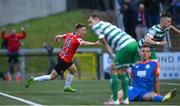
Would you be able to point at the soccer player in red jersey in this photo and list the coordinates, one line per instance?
(71, 42)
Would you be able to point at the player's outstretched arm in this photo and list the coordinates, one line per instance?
(59, 37)
(108, 49)
(87, 43)
(175, 29)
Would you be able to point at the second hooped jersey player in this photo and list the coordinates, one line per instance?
(71, 43)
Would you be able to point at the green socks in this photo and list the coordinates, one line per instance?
(125, 82)
(114, 86)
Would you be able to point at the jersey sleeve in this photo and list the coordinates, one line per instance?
(151, 32)
(131, 72)
(4, 36)
(65, 35)
(21, 36)
(98, 32)
(80, 40)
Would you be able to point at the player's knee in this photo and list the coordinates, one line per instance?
(121, 72)
(53, 77)
(72, 72)
(113, 71)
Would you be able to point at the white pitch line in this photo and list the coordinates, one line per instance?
(50, 91)
(20, 99)
(168, 83)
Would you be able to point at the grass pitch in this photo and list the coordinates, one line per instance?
(93, 92)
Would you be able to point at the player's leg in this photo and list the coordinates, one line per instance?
(8, 76)
(72, 69)
(17, 72)
(152, 96)
(124, 58)
(53, 75)
(58, 69)
(114, 85)
(120, 95)
(133, 93)
(17, 67)
(124, 84)
(171, 94)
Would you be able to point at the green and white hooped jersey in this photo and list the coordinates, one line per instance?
(115, 37)
(156, 33)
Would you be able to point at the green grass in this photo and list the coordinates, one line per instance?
(89, 92)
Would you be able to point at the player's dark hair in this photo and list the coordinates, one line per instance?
(164, 15)
(145, 46)
(79, 25)
(95, 16)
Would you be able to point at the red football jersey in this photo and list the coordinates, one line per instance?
(13, 40)
(71, 43)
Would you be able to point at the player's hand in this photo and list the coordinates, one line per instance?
(44, 44)
(98, 43)
(112, 57)
(56, 38)
(163, 43)
(112, 66)
(22, 28)
(21, 43)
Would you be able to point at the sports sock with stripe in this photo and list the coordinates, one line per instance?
(157, 98)
(125, 82)
(42, 78)
(68, 80)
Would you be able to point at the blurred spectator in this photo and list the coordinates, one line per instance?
(166, 4)
(50, 48)
(135, 4)
(108, 5)
(153, 10)
(175, 6)
(128, 18)
(13, 52)
(141, 22)
(102, 5)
